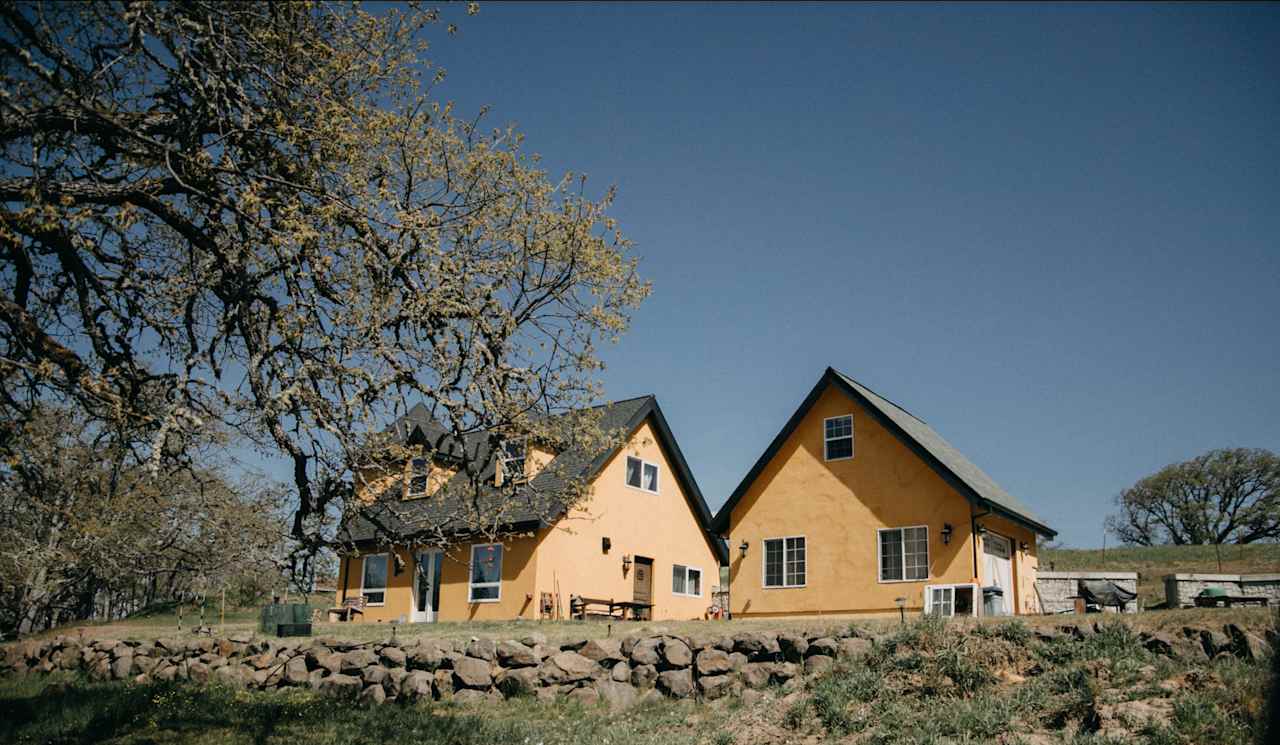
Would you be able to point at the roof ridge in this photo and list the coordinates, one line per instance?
(878, 395)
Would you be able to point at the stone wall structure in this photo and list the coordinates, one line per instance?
(618, 671)
(1057, 590)
(1180, 590)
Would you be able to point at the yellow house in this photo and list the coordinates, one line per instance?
(859, 507)
(643, 536)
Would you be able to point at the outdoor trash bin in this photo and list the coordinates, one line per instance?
(992, 601)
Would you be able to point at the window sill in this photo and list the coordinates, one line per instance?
(485, 600)
(784, 587)
(833, 460)
(901, 581)
(642, 489)
(685, 595)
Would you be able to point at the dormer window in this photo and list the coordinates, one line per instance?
(512, 459)
(419, 475)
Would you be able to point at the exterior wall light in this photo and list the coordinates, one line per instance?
(626, 563)
(1022, 546)
(743, 548)
(605, 544)
(946, 534)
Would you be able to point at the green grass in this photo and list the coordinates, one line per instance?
(1152, 563)
(67, 711)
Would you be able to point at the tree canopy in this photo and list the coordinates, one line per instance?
(1223, 496)
(260, 218)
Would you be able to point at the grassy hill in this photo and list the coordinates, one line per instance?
(1153, 562)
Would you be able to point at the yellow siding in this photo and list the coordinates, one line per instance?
(838, 507)
(660, 526)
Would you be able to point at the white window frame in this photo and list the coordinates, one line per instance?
(414, 474)
(977, 598)
(504, 459)
(472, 584)
(826, 441)
(701, 580)
(657, 475)
(383, 589)
(928, 558)
(764, 553)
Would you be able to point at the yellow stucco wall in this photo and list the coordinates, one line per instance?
(838, 507)
(660, 526)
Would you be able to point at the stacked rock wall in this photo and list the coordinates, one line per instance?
(1058, 590)
(618, 670)
(1180, 590)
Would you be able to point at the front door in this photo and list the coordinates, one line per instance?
(999, 564)
(426, 586)
(643, 584)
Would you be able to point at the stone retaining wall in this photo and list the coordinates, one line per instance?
(618, 671)
(1180, 589)
(1058, 589)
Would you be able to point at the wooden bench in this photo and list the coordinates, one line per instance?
(581, 608)
(1226, 601)
(349, 608)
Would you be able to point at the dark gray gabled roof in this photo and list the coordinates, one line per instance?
(930, 446)
(527, 510)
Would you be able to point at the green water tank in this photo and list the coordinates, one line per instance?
(1213, 592)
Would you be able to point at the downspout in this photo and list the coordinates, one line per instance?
(346, 576)
(973, 533)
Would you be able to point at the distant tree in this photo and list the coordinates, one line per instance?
(257, 215)
(1223, 496)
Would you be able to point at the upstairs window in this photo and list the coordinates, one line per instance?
(373, 584)
(785, 562)
(904, 554)
(686, 580)
(512, 457)
(838, 437)
(642, 474)
(419, 474)
(486, 573)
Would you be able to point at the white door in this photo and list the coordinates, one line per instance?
(426, 586)
(999, 564)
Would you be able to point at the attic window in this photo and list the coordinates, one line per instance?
(838, 437)
(513, 454)
(642, 474)
(420, 470)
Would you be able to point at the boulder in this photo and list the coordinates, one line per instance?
(519, 681)
(1214, 642)
(781, 672)
(824, 646)
(471, 697)
(122, 668)
(483, 649)
(374, 675)
(242, 637)
(471, 672)
(757, 674)
(395, 677)
(675, 653)
(357, 660)
(644, 676)
(442, 685)
(416, 686)
(515, 654)
(620, 672)
(425, 655)
(295, 671)
(793, 646)
(165, 672)
(198, 672)
(373, 695)
(341, 686)
(646, 652)
(1244, 644)
(534, 640)
(757, 645)
(587, 695)
(676, 683)
(738, 659)
(715, 686)
(566, 667)
(818, 664)
(314, 677)
(602, 650)
(394, 657)
(855, 647)
(724, 643)
(1159, 643)
(229, 675)
(573, 645)
(700, 641)
(713, 662)
(331, 662)
(617, 695)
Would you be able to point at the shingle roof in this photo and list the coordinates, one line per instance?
(948, 462)
(526, 510)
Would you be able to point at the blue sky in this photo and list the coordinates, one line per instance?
(1050, 231)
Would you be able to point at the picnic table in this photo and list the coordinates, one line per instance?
(1226, 601)
(348, 610)
(580, 608)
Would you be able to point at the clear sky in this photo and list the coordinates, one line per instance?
(1052, 232)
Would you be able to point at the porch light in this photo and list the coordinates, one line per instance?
(1022, 546)
(743, 548)
(626, 563)
(605, 544)
(946, 533)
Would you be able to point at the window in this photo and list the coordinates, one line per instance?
(686, 580)
(838, 437)
(486, 573)
(950, 600)
(904, 554)
(373, 581)
(420, 470)
(784, 562)
(642, 474)
(512, 458)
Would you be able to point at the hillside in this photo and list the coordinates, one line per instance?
(1152, 563)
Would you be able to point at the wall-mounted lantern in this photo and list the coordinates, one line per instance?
(743, 548)
(1022, 546)
(946, 534)
(605, 544)
(982, 530)
(626, 563)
